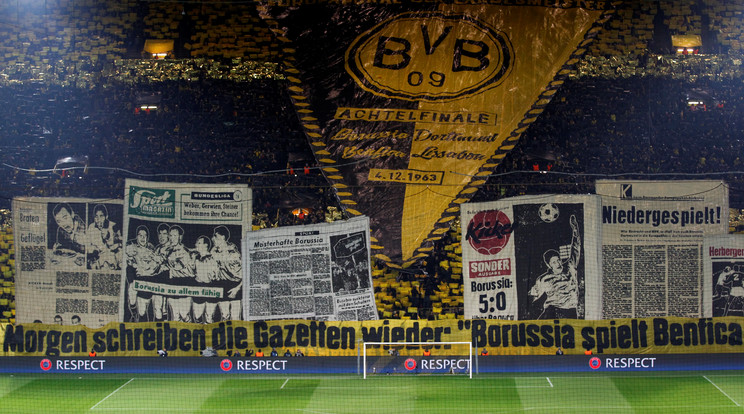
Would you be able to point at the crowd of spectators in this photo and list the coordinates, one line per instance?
(631, 128)
(432, 290)
(66, 37)
(595, 128)
(65, 92)
(199, 132)
(54, 39)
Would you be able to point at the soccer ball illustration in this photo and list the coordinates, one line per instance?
(548, 213)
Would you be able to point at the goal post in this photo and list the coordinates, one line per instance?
(417, 358)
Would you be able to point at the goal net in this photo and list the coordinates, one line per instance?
(413, 358)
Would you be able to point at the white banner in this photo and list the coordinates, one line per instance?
(183, 253)
(652, 241)
(723, 286)
(319, 271)
(531, 257)
(68, 260)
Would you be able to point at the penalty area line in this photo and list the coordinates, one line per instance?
(549, 382)
(722, 391)
(285, 383)
(112, 393)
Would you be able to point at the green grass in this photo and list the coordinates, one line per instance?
(659, 392)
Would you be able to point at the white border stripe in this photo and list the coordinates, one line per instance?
(112, 393)
(722, 391)
(595, 408)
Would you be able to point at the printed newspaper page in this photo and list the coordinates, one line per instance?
(652, 241)
(182, 251)
(318, 271)
(723, 286)
(531, 257)
(68, 260)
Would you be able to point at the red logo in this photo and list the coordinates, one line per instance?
(489, 231)
(410, 364)
(226, 365)
(45, 364)
(595, 363)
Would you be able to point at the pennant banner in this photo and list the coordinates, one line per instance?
(410, 106)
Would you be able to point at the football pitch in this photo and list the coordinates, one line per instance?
(660, 392)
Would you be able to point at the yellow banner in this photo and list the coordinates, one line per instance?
(493, 114)
(619, 336)
(411, 107)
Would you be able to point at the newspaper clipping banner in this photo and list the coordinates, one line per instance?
(723, 286)
(319, 271)
(531, 257)
(652, 241)
(182, 252)
(68, 260)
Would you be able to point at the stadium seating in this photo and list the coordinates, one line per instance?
(78, 34)
(83, 37)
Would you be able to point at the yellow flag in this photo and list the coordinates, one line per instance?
(410, 106)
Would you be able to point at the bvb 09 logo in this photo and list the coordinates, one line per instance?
(429, 56)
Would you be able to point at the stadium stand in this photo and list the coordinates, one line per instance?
(73, 78)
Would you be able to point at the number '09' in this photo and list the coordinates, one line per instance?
(436, 79)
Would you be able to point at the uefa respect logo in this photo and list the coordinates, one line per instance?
(625, 363)
(226, 365)
(72, 365)
(436, 364)
(259, 364)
